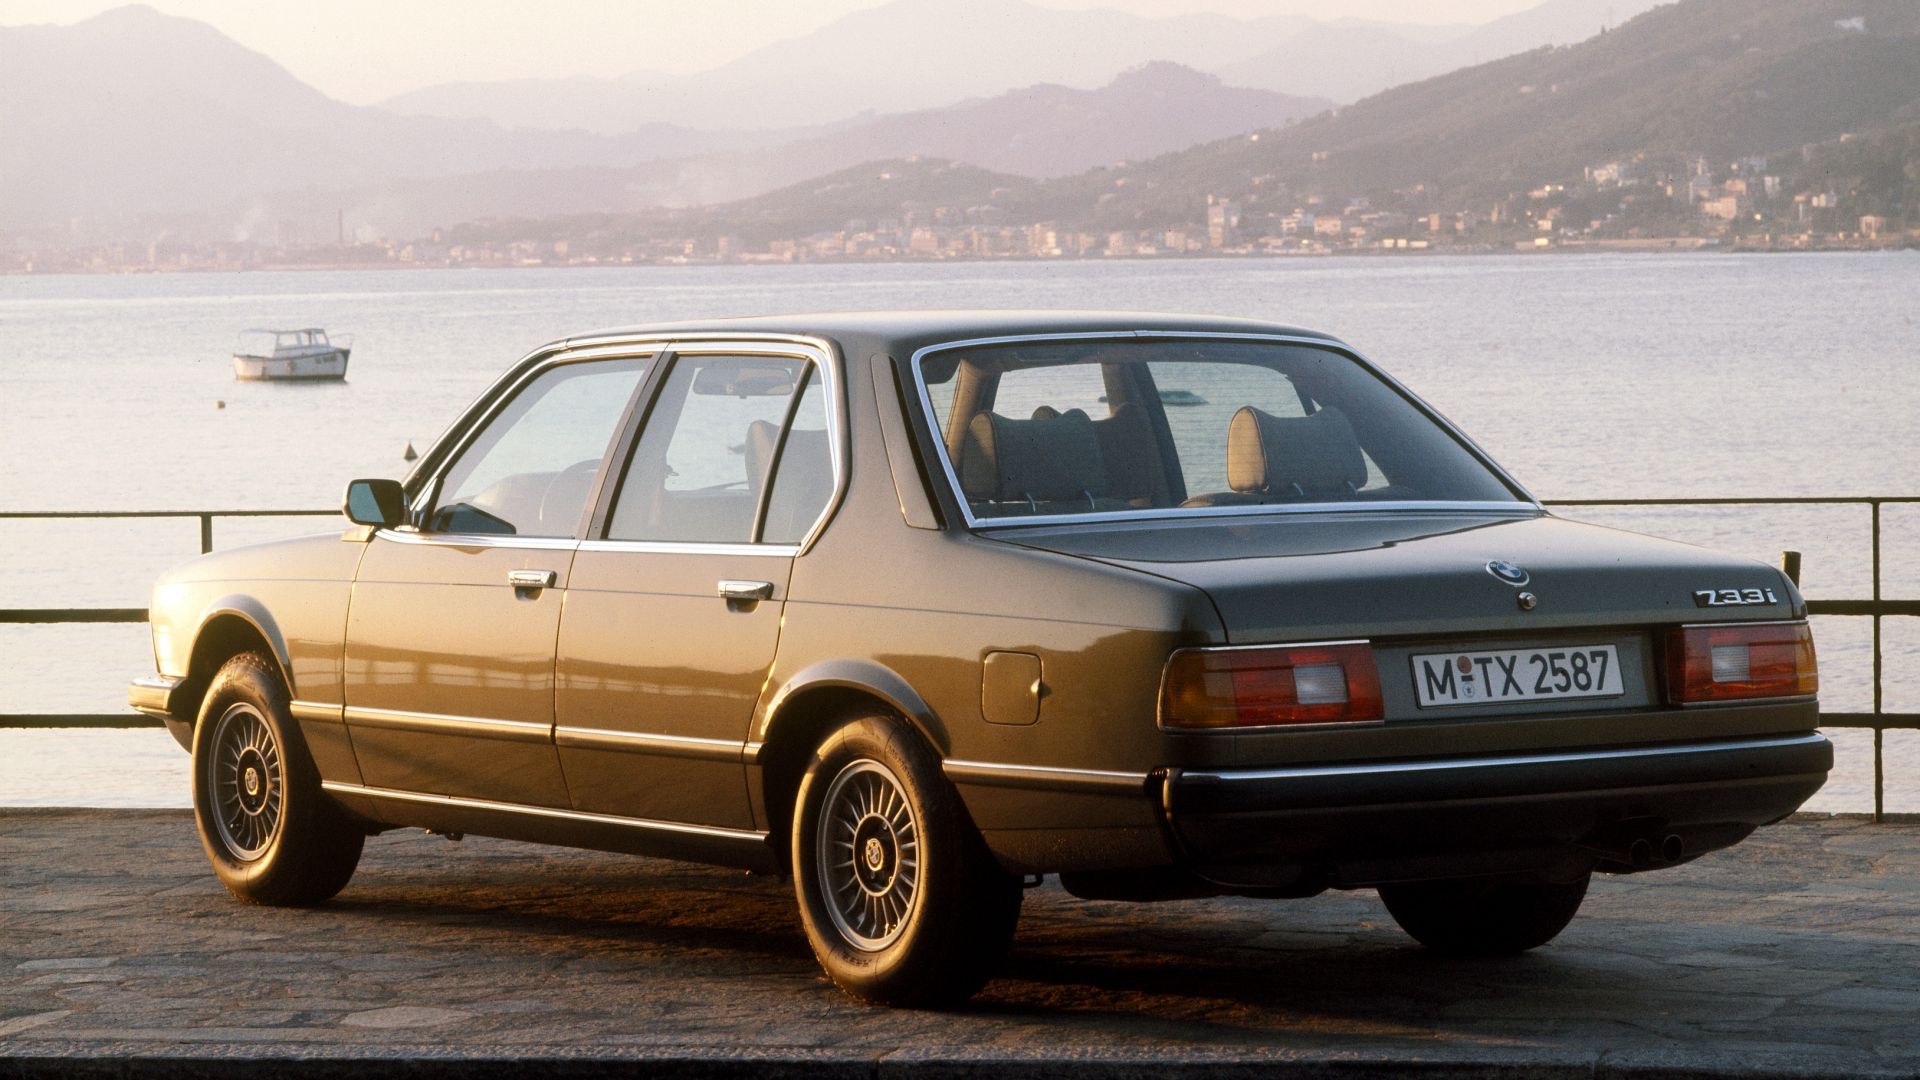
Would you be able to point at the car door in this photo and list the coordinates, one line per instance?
(673, 609)
(450, 630)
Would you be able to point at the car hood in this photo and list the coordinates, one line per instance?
(1319, 576)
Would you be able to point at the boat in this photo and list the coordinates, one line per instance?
(290, 354)
(1174, 397)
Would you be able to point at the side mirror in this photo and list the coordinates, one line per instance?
(381, 503)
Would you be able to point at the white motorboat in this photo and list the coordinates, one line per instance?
(290, 354)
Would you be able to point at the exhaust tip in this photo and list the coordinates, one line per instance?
(1672, 848)
(1640, 852)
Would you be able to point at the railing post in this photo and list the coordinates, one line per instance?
(1879, 704)
(206, 534)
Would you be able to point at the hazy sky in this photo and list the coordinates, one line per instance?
(363, 51)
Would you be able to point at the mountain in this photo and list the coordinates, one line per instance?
(1347, 61)
(606, 106)
(915, 54)
(1038, 131)
(901, 56)
(1718, 79)
(1052, 130)
(1827, 90)
(134, 112)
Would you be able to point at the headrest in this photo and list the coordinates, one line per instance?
(802, 443)
(1293, 455)
(1050, 458)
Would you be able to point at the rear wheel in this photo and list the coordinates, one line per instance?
(271, 835)
(901, 901)
(1484, 918)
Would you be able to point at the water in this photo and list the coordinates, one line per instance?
(1680, 375)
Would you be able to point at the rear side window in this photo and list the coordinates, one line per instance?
(1100, 427)
(719, 431)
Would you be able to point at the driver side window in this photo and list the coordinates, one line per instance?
(531, 469)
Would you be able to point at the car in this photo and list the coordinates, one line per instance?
(921, 608)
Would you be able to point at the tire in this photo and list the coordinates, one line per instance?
(918, 913)
(271, 835)
(1484, 918)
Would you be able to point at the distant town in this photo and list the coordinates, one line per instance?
(1631, 204)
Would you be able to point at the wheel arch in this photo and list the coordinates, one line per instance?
(228, 627)
(799, 715)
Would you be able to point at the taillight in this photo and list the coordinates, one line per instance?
(1271, 685)
(1741, 660)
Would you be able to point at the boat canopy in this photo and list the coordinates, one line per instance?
(264, 342)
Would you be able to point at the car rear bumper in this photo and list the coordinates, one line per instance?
(1544, 813)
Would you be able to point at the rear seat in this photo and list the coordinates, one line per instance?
(1050, 464)
(1285, 458)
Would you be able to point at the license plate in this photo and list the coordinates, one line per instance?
(1506, 675)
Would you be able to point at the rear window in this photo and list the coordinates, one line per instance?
(1112, 427)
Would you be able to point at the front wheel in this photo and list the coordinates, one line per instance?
(901, 901)
(270, 834)
(1484, 918)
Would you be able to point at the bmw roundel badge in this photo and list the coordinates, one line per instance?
(1508, 573)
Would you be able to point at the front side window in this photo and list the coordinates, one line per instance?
(1051, 428)
(531, 469)
(704, 469)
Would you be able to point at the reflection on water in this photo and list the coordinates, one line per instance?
(1591, 375)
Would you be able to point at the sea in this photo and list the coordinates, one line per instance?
(1588, 376)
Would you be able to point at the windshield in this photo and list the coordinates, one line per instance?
(1111, 427)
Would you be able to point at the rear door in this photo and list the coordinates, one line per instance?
(673, 608)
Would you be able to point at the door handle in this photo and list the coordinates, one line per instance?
(531, 579)
(745, 590)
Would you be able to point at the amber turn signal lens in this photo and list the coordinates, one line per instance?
(1271, 686)
(1741, 660)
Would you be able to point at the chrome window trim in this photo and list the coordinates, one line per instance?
(1187, 513)
(1526, 503)
(463, 803)
(823, 353)
(476, 540)
(692, 547)
(1571, 757)
(687, 746)
(530, 731)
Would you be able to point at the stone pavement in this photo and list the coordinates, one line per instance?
(1795, 954)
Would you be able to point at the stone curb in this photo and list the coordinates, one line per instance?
(183, 1061)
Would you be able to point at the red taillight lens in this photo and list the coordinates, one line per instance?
(1283, 684)
(1751, 660)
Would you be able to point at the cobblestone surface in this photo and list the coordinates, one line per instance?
(1797, 953)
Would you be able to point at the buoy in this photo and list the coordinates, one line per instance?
(219, 404)
(409, 455)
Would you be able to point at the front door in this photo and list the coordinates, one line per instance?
(450, 633)
(673, 609)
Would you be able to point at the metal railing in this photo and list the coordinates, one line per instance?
(1877, 607)
(112, 615)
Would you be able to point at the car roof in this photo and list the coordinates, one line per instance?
(904, 331)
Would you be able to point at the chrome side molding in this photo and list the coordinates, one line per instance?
(580, 816)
